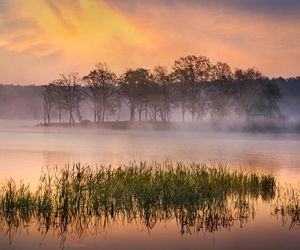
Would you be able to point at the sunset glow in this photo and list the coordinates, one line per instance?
(43, 37)
(149, 124)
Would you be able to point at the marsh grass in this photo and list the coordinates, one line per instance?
(82, 199)
(286, 206)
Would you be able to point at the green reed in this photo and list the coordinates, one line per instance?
(83, 197)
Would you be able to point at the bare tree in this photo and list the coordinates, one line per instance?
(72, 94)
(102, 83)
(49, 100)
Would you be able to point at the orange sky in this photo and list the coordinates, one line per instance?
(39, 39)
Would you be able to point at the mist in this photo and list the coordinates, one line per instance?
(194, 95)
(185, 133)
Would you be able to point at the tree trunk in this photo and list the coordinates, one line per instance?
(119, 113)
(146, 111)
(183, 111)
(103, 113)
(59, 113)
(132, 112)
(45, 120)
(95, 111)
(49, 113)
(99, 113)
(79, 116)
(71, 120)
(155, 114)
(193, 111)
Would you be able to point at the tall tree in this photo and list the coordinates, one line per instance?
(154, 101)
(191, 74)
(72, 94)
(248, 86)
(163, 92)
(135, 85)
(102, 84)
(49, 99)
(220, 93)
(267, 104)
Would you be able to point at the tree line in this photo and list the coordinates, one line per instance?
(195, 87)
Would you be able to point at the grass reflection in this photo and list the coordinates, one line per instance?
(287, 206)
(81, 200)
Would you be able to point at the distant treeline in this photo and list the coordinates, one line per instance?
(21, 102)
(193, 90)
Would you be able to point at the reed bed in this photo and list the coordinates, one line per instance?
(80, 198)
(287, 206)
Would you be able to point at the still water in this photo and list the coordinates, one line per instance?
(25, 149)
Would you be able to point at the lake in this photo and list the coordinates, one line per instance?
(25, 149)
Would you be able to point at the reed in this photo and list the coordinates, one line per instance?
(287, 206)
(203, 197)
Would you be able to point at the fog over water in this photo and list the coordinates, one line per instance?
(25, 149)
(149, 125)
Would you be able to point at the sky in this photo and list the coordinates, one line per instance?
(40, 39)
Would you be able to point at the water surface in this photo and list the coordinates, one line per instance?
(25, 148)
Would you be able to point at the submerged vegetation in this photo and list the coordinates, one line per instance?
(79, 199)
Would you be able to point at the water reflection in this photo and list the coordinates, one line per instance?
(286, 207)
(23, 150)
(79, 201)
(211, 217)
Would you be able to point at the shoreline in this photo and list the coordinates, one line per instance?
(252, 127)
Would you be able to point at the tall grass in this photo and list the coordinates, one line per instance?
(80, 197)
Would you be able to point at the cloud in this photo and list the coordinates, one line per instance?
(82, 32)
(73, 35)
(285, 7)
(66, 25)
(240, 38)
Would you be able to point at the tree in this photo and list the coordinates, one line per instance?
(163, 92)
(255, 94)
(102, 84)
(154, 100)
(71, 94)
(191, 73)
(220, 93)
(268, 103)
(134, 86)
(48, 93)
(194, 85)
(57, 93)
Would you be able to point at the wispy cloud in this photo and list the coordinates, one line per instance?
(267, 7)
(75, 34)
(66, 25)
